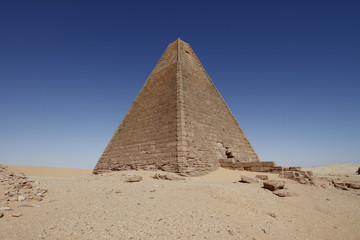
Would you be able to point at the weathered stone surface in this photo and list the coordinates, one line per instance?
(245, 179)
(284, 193)
(167, 177)
(262, 177)
(273, 185)
(178, 122)
(133, 178)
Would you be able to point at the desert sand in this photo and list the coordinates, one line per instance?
(79, 205)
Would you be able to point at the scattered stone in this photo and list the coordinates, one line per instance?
(1, 214)
(167, 177)
(358, 171)
(262, 177)
(284, 193)
(133, 178)
(16, 214)
(273, 185)
(19, 187)
(245, 179)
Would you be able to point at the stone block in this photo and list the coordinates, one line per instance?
(273, 185)
(246, 179)
(260, 169)
(268, 164)
(262, 177)
(294, 168)
(287, 174)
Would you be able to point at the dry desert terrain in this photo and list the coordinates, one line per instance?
(74, 204)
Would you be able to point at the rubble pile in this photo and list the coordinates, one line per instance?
(17, 190)
(294, 173)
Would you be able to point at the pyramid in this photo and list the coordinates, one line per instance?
(179, 122)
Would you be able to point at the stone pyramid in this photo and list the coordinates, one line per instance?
(179, 122)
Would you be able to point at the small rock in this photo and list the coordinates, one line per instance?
(340, 185)
(358, 171)
(167, 177)
(245, 179)
(262, 177)
(272, 214)
(231, 232)
(42, 190)
(27, 186)
(16, 214)
(283, 193)
(1, 214)
(273, 185)
(37, 198)
(21, 198)
(133, 178)
(6, 209)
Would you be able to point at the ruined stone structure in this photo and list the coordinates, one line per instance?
(178, 123)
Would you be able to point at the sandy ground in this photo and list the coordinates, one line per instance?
(79, 205)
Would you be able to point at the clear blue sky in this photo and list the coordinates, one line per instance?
(289, 71)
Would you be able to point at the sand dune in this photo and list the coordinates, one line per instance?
(79, 205)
